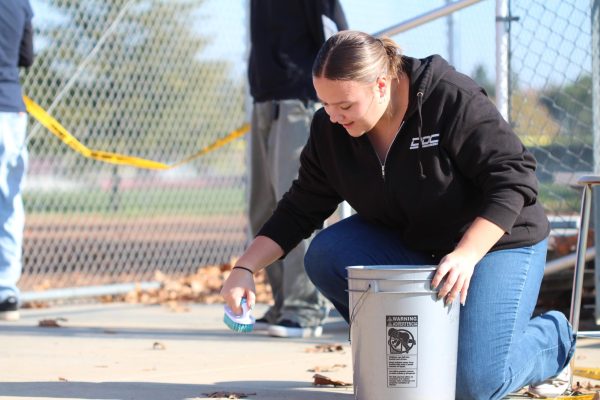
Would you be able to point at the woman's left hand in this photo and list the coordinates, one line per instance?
(457, 269)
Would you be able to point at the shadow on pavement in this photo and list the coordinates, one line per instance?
(332, 327)
(166, 391)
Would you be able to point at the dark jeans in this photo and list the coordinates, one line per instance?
(501, 348)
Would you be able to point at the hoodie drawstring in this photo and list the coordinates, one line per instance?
(422, 175)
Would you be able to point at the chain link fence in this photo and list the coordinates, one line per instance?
(551, 95)
(162, 79)
(551, 110)
(152, 79)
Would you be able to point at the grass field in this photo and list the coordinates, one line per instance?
(137, 202)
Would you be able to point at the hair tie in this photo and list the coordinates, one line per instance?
(244, 268)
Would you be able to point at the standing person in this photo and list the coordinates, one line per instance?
(285, 38)
(16, 50)
(435, 175)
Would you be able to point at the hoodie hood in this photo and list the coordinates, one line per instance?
(424, 75)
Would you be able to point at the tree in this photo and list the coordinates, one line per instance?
(480, 76)
(147, 91)
(571, 107)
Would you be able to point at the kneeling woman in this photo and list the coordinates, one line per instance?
(435, 176)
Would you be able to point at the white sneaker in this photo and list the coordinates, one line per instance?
(291, 329)
(555, 386)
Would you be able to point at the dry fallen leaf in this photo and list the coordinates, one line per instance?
(51, 322)
(322, 380)
(325, 348)
(328, 368)
(228, 395)
(177, 307)
(158, 346)
(203, 287)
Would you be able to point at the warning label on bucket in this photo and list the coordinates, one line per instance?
(402, 334)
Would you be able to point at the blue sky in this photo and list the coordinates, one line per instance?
(474, 29)
(556, 29)
(551, 41)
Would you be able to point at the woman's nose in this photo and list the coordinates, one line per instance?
(334, 117)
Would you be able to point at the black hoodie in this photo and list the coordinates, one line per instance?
(286, 36)
(454, 159)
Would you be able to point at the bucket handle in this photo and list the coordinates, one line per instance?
(373, 287)
(356, 307)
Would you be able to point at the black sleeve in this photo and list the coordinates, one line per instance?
(309, 202)
(488, 151)
(315, 9)
(26, 47)
(338, 16)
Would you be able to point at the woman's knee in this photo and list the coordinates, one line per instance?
(478, 383)
(318, 260)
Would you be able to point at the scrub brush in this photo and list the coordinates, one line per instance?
(239, 323)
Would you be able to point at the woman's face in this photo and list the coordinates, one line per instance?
(354, 105)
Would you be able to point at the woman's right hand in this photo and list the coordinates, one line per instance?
(240, 283)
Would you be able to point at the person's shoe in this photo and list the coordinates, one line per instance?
(261, 324)
(9, 309)
(290, 329)
(555, 386)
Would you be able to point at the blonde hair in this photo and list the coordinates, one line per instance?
(357, 56)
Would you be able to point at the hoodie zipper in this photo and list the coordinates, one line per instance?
(386, 153)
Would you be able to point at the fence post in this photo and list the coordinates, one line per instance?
(596, 134)
(502, 61)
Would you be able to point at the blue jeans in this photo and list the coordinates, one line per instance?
(13, 163)
(501, 348)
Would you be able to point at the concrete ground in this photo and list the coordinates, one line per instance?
(123, 351)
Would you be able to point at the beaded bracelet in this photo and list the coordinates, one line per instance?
(244, 268)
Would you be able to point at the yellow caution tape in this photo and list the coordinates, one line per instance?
(59, 131)
(591, 373)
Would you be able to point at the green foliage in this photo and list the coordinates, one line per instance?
(571, 107)
(559, 198)
(139, 202)
(147, 91)
(480, 76)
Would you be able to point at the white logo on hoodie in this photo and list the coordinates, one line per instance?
(427, 141)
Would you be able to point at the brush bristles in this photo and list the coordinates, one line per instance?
(239, 323)
(236, 326)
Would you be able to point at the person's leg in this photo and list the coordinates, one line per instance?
(13, 163)
(302, 302)
(261, 194)
(502, 349)
(354, 241)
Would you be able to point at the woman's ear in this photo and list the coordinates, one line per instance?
(382, 86)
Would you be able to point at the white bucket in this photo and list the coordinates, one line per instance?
(404, 341)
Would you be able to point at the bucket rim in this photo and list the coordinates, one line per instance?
(352, 278)
(392, 267)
